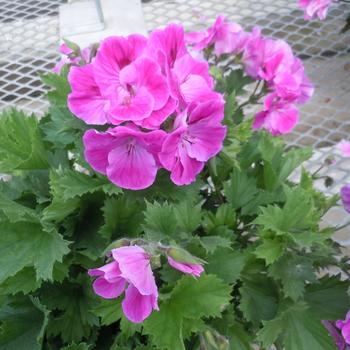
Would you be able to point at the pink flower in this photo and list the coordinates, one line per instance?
(291, 83)
(313, 8)
(132, 268)
(86, 100)
(125, 154)
(197, 137)
(277, 57)
(253, 53)
(167, 45)
(227, 37)
(191, 269)
(191, 82)
(344, 147)
(133, 83)
(344, 326)
(188, 78)
(278, 117)
(345, 197)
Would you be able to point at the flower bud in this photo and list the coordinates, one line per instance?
(182, 255)
(116, 244)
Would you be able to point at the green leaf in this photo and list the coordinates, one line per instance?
(165, 327)
(59, 209)
(33, 245)
(293, 271)
(15, 212)
(123, 218)
(293, 159)
(258, 298)
(60, 88)
(75, 302)
(80, 346)
(21, 146)
(188, 216)
(224, 216)
(240, 190)
(23, 281)
(225, 263)
(296, 215)
(270, 249)
(298, 331)
(239, 338)
(22, 325)
(212, 243)
(128, 329)
(160, 221)
(328, 299)
(61, 127)
(236, 81)
(71, 184)
(109, 311)
(191, 298)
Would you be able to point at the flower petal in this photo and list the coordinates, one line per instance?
(108, 290)
(85, 100)
(131, 166)
(138, 307)
(135, 266)
(96, 149)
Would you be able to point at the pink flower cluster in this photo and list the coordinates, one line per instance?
(130, 271)
(263, 59)
(159, 104)
(313, 8)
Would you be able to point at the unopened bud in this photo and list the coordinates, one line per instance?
(117, 244)
(183, 256)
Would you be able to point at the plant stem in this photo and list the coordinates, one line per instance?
(338, 228)
(253, 97)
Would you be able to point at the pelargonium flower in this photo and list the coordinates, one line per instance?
(190, 81)
(167, 45)
(344, 326)
(198, 135)
(191, 269)
(128, 156)
(344, 147)
(227, 37)
(188, 78)
(276, 57)
(132, 82)
(86, 100)
(278, 117)
(313, 8)
(130, 271)
(291, 83)
(345, 197)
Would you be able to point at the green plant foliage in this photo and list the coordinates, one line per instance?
(268, 261)
(21, 146)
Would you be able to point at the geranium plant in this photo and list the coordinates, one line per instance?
(151, 208)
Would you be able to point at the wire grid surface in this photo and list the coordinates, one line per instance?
(29, 39)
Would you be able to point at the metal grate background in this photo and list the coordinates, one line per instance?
(29, 39)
